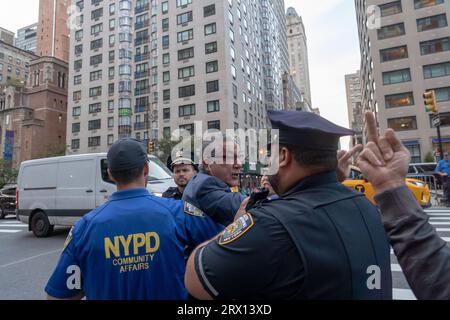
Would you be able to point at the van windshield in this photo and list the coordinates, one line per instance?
(158, 170)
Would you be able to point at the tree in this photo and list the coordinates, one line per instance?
(429, 157)
(8, 175)
(165, 147)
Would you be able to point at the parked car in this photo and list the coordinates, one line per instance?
(357, 181)
(59, 191)
(7, 200)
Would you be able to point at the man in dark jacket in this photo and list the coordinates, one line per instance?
(422, 254)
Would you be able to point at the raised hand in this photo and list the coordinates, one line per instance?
(345, 161)
(384, 160)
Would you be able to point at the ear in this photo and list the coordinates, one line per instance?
(146, 169)
(285, 157)
(111, 177)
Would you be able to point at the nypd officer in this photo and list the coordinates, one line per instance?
(318, 240)
(132, 247)
(183, 169)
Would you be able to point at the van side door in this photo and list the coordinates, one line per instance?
(75, 194)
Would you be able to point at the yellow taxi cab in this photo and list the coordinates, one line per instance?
(419, 188)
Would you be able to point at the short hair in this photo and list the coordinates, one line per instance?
(326, 160)
(127, 176)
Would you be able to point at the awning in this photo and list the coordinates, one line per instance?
(444, 140)
(411, 143)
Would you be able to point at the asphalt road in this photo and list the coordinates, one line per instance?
(26, 262)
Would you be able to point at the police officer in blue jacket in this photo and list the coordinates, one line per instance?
(318, 240)
(132, 247)
(210, 190)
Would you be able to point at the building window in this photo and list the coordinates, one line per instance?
(212, 66)
(75, 145)
(76, 111)
(436, 70)
(111, 105)
(399, 100)
(111, 122)
(185, 35)
(391, 8)
(95, 75)
(96, 29)
(209, 10)
(166, 76)
(94, 124)
(165, 42)
(418, 4)
(210, 29)
(165, 7)
(210, 47)
(75, 127)
(212, 86)
(213, 106)
(188, 127)
(166, 58)
(187, 110)
(186, 91)
(95, 108)
(184, 17)
(445, 119)
(167, 132)
(166, 114)
(214, 125)
(96, 60)
(435, 46)
(186, 72)
(76, 95)
(397, 76)
(110, 139)
(93, 142)
(165, 25)
(391, 31)
(394, 53)
(414, 150)
(166, 95)
(182, 3)
(442, 94)
(95, 92)
(77, 80)
(235, 110)
(403, 124)
(430, 23)
(185, 54)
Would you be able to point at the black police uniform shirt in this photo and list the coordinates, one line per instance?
(173, 193)
(320, 240)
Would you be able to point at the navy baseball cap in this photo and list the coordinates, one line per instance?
(307, 130)
(127, 154)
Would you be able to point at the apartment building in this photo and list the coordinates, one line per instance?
(406, 55)
(27, 38)
(6, 36)
(354, 106)
(14, 64)
(144, 68)
(298, 54)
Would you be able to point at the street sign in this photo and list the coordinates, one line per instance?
(436, 121)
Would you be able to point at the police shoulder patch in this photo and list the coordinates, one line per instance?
(68, 239)
(193, 210)
(237, 229)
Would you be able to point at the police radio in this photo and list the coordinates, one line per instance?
(257, 196)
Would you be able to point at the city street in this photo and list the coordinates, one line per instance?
(26, 262)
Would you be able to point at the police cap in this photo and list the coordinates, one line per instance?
(181, 159)
(127, 154)
(307, 130)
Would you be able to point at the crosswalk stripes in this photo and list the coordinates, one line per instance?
(440, 219)
(11, 226)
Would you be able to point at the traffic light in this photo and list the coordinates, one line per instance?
(151, 147)
(430, 102)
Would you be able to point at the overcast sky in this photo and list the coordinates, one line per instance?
(332, 41)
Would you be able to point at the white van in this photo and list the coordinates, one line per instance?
(59, 191)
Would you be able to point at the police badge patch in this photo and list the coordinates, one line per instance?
(193, 210)
(237, 229)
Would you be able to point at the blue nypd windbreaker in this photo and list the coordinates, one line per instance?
(132, 247)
